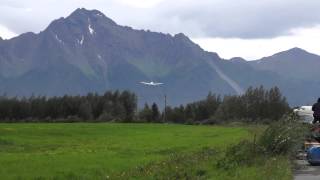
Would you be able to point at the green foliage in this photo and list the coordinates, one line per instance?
(283, 137)
(237, 155)
(152, 114)
(256, 105)
(145, 115)
(280, 140)
(155, 113)
(194, 112)
(243, 161)
(111, 106)
(176, 166)
(176, 115)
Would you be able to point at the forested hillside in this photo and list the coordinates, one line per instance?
(256, 105)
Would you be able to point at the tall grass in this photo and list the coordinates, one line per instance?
(97, 151)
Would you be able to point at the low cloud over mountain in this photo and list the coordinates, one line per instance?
(206, 18)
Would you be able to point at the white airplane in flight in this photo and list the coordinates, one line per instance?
(151, 83)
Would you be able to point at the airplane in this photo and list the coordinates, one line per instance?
(151, 83)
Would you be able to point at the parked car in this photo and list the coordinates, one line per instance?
(313, 155)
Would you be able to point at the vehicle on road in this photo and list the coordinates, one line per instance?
(313, 155)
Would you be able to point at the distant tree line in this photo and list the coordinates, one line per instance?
(255, 105)
(111, 106)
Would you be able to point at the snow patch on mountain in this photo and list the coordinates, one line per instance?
(58, 39)
(91, 30)
(82, 39)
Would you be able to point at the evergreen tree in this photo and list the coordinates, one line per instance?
(145, 115)
(155, 113)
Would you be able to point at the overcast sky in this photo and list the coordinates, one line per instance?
(247, 28)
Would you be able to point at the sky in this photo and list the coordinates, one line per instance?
(232, 28)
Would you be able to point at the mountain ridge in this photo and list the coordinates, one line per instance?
(88, 48)
(88, 52)
(294, 63)
(95, 12)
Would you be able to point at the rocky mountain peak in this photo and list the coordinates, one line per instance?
(296, 49)
(238, 60)
(82, 14)
(82, 19)
(181, 36)
(295, 52)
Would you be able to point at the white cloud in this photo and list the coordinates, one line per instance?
(5, 33)
(205, 18)
(252, 49)
(230, 27)
(141, 3)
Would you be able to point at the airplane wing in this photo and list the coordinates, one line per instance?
(145, 83)
(157, 84)
(151, 83)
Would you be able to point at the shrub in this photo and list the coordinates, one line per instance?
(283, 137)
(243, 153)
(105, 117)
(280, 138)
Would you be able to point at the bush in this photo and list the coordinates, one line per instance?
(243, 153)
(283, 137)
(105, 117)
(177, 166)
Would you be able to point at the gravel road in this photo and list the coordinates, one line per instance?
(306, 171)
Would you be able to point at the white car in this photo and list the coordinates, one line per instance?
(304, 113)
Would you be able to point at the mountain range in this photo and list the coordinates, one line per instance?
(88, 52)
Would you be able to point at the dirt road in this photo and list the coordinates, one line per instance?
(307, 172)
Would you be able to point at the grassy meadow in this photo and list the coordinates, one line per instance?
(123, 151)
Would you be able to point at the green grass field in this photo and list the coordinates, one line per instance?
(101, 151)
